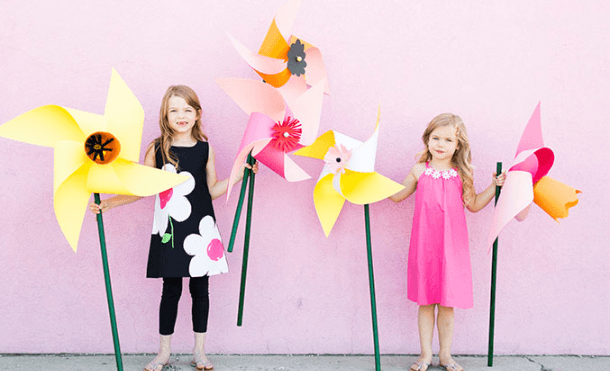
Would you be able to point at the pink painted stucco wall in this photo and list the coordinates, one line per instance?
(491, 62)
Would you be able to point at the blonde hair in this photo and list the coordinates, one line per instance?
(164, 141)
(461, 159)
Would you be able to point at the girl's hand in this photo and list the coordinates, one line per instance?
(96, 208)
(254, 169)
(499, 180)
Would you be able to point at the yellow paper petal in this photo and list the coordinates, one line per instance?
(144, 181)
(365, 188)
(70, 200)
(320, 146)
(43, 126)
(555, 197)
(125, 117)
(68, 156)
(328, 203)
(104, 179)
(88, 122)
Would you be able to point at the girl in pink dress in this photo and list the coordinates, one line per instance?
(439, 273)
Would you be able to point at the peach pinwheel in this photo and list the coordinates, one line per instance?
(287, 63)
(348, 173)
(527, 182)
(275, 127)
(93, 153)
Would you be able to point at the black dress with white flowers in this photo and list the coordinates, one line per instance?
(185, 238)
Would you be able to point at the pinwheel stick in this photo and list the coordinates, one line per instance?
(115, 331)
(240, 203)
(367, 223)
(244, 264)
(492, 305)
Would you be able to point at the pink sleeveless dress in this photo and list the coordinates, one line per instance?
(439, 258)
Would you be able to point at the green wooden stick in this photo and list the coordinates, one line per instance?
(244, 264)
(240, 203)
(115, 331)
(367, 223)
(492, 305)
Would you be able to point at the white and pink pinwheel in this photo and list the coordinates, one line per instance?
(527, 182)
(275, 127)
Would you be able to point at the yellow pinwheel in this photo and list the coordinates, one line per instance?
(93, 153)
(349, 173)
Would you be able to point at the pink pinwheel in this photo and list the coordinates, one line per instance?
(275, 127)
(526, 182)
(289, 64)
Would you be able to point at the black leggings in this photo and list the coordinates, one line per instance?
(168, 311)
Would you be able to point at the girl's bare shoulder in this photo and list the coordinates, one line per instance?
(418, 169)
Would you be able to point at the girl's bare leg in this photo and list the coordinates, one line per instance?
(199, 357)
(425, 325)
(445, 321)
(165, 343)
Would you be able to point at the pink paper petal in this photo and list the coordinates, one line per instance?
(284, 18)
(292, 172)
(315, 72)
(263, 64)
(254, 96)
(517, 194)
(294, 88)
(532, 135)
(241, 158)
(307, 108)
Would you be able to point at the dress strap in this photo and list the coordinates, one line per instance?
(427, 164)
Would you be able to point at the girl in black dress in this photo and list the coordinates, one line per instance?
(185, 240)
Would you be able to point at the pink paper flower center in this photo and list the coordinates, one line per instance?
(337, 158)
(165, 196)
(215, 249)
(286, 135)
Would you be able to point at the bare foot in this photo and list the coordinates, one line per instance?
(157, 364)
(450, 365)
(201, 362)
(421, 364)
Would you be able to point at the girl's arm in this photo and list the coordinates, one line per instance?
(219, 188)
(482, 199)
(120, 200)
(410, 183)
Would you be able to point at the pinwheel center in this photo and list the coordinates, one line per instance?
(102, 147)
(286, 134)
(296, 58)
(338, 160)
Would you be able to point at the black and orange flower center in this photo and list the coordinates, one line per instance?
(102, 147)
(286, 134)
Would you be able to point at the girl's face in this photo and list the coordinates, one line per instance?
(443, 142)
(180, 115)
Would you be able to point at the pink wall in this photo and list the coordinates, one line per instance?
(488, 61)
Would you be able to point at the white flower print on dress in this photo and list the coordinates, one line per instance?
(437, 174)
(207, 250)
(172, 203)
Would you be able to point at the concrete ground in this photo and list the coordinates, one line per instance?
(312, 362)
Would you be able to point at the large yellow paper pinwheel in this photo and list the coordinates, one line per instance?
(349, 173)
(93, 153)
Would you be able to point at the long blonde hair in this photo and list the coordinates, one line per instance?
(164, 141)
(461, 158)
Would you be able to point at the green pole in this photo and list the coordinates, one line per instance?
(240, 203)
(244, 264)
(115, 331)
(492, 305)
(367, 222)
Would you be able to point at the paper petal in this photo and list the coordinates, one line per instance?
(315, 71)
(363, 156)
(366, 188)
(307, 108)
(517, 194)
(538, 163)
(328, 203)
(144, 181)
(125, 117)
(254, 96)
(532, 135)
(68, 156)
(70, 201)
(555, 197)
(274, 45)
(294, 88)
(320, 147)
(284, 18)
(43, 126)
(260, 63)
(253, 147)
